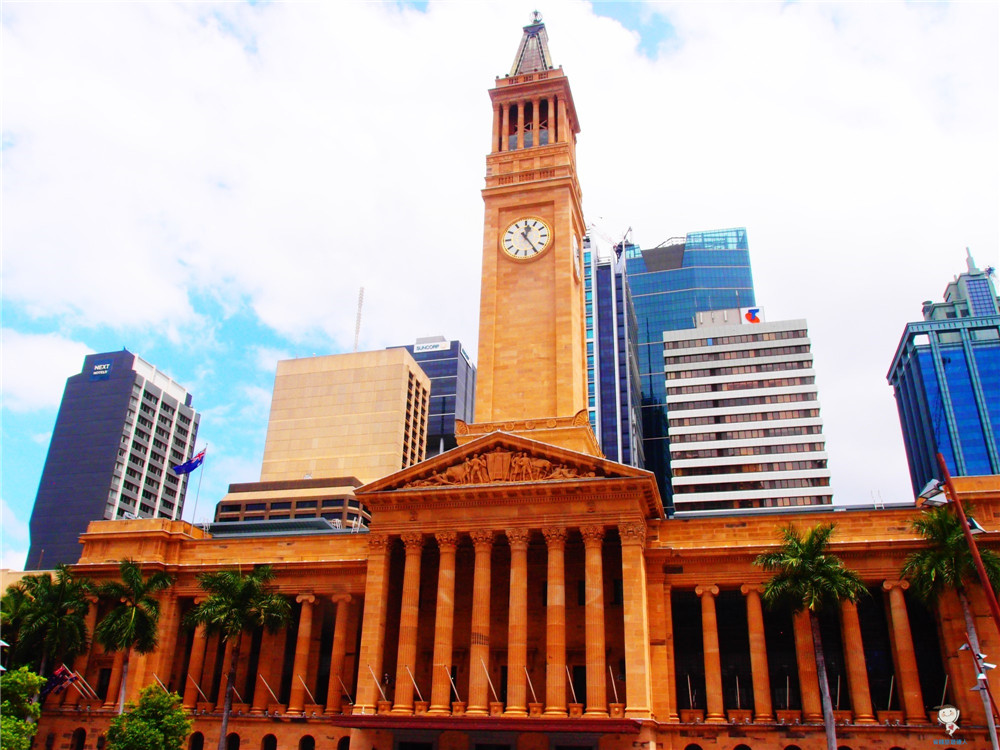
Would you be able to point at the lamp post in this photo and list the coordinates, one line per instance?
(932, 489)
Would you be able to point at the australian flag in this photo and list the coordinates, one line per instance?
(188, 466)
(58, 682)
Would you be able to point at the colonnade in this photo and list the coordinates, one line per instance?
(511, 118)
(553, 699)
(904, 658)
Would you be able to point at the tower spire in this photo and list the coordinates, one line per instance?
(533, 53)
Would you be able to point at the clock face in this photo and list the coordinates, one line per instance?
(526, 238)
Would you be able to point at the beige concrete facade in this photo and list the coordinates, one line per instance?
(362, 414)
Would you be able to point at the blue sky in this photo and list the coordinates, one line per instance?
(209, 185)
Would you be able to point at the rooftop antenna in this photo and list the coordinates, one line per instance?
(357, 323)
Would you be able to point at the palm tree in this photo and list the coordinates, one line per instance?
(236, 603)
(946, 564)
(807, 576)
(132, 622)
(48, 616)
(14, 607)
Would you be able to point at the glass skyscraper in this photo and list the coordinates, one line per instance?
(670, 284)
(614, 398)
(946, 379)
(453, 388)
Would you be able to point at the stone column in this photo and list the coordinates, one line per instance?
(334, 689)
(638, 684)
(857, 672)
(564, 131)
(115, 684)
(805, 655)
(555, 623)
(444, 624)
(713, 663)
(167, 645)
(553, 118)
(497, 121)
(597, 678)
(906, 660)
(517, 624)
(270, 644)
(373, 623)
(668, 619)
(297, 695)
(479, 650)
(505, 127)
(763, 710)
(71, 696)
(535, 120)
(406, 655)
(227, 663)
(520, 125)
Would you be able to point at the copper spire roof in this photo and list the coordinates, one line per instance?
(533, 54)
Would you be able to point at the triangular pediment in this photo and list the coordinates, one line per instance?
(500, 458)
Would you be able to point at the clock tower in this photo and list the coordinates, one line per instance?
(532, 376)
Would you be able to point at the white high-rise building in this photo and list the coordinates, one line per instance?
(744, 426)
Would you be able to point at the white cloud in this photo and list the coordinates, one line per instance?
(35, 368)
(13, 538)
(272, 158)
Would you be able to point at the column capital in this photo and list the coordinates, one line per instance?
(306, 598)
(592, 535)
(482, 537)
(633, 533)
(518, 537)
(712, 590)
(337, 598)
(890, 585)
(755, 588)
(447, 539)
(413, 540)
(378, 542)
(554, 536)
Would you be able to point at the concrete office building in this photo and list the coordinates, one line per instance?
(293, 500)
(453, 388)
(946, 379)
(358, 415)
(671, 283)
(122, 425)
(613, 394)
(744, 424)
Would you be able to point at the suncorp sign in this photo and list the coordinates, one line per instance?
(434, 346)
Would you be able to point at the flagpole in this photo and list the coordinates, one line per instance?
(197, 496)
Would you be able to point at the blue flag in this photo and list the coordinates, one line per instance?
(188, 466)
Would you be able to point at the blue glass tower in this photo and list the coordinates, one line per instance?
(670, 284)
(614, 398)
(946, 380)
(453, 388)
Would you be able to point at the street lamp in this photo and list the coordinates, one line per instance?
(935, 493)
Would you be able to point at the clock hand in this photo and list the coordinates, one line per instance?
(524, 233)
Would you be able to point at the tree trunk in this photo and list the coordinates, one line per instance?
(970, 630)
(121, 689)
(824, 684)
(227, 704)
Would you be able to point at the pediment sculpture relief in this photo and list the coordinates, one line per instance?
(500, 465)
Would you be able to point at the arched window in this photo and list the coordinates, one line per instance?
(844, 747)
(197, 741)
(742, 747)
(233, 741)
(307, 743)
(792, 747)
(78, 739)
(270, 742)
(344, 743)
(692, 746)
